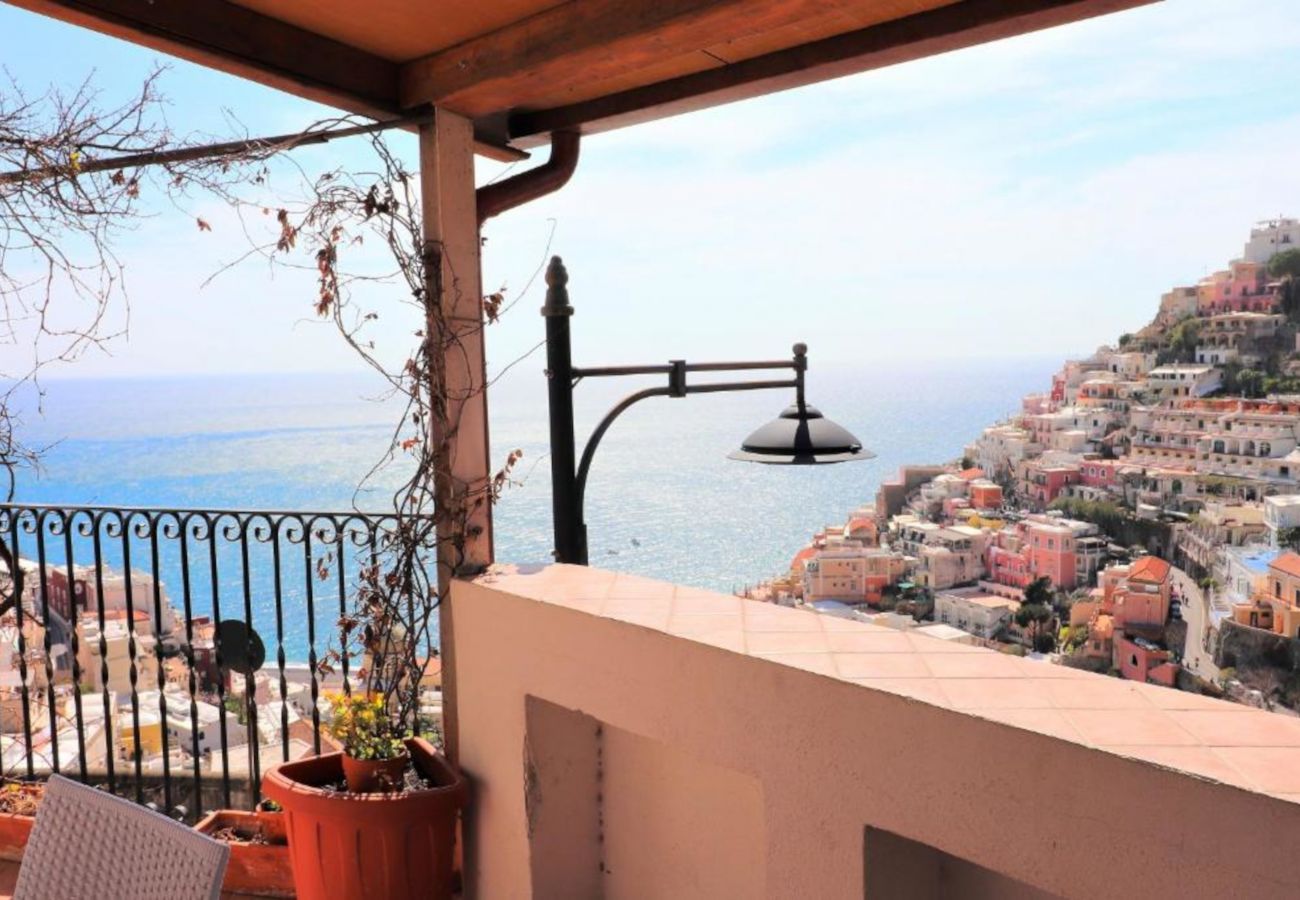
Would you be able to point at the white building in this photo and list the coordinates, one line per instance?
(1185, 380)
(1281, 513)
(975, 612)
(1269, 237)
(1000, 448)
(116, 648)
(1128, 364)
(943, 632)
(180, 721)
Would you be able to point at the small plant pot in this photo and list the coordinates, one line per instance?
(367, 776)
(14, 832)
(347, 846)
(256, 869)
(16, 827)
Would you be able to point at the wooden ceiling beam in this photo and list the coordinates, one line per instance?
(233, 39)
(239, 41)
(946, 28)
(585, 42)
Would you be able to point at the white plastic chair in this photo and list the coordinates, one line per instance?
(87, 844)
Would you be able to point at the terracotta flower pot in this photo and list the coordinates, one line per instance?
(14, 831)
(260, 870)
(365, 776)
(347, 846)
(16, 827)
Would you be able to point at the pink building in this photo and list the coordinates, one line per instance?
(1041, 483)
(1051, 553)
(1017, 556)
(1034, 404)
(1139, 660)
(1100, 473)
(952, 504)
(1005, 566)
(1243, 287)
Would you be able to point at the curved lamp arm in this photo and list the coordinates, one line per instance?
(594, 441)
(677, 389)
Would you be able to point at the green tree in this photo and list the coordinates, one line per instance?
(1039, 592)
(1183, 339)
(1037, 618)
(1125, 339)
(1285, 264)
(1286, 267)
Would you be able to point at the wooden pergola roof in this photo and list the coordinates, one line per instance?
(520, 69)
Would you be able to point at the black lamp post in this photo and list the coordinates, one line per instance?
(799, 436)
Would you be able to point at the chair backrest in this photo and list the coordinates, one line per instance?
(89, 845)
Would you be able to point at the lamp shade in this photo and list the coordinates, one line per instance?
(801, 436)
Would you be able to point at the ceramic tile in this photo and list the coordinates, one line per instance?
(868, 642)
(774, 618)
(786, 642)
(619, 604)
(812, 662)
(1128, 727)
(1275, 770)
(972, 665)
(679, 624)
(592, 605)
(693, 603)
(995, 693)
(1196, 760)
(923, 644)
(1050, 722)
(1170, 698)
(924, 689)
(1232, 728)
(726, 639)
(879, 665)
(1058, 672)
(1098, 692)
(642, 588)
(647, 617)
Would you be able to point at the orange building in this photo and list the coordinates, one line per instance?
(985, 495)
(1276, 608)
(1138, 594)
(1139, 660)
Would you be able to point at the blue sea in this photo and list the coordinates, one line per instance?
(663, 500)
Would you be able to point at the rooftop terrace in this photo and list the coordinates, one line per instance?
(645, 710)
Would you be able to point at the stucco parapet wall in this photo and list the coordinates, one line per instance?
(1206, 738)
(629, 737)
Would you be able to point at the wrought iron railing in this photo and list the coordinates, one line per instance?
(133, 661)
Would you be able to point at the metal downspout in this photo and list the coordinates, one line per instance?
(550, 176)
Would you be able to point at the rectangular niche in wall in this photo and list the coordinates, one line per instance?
(615, 814)
(898, 867)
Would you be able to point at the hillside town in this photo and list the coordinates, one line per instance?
(1141, 517)
(116, 677)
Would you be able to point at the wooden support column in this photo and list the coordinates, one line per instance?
(458, 371)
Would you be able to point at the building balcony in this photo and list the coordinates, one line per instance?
(628, 735)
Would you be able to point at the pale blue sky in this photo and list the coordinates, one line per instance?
(1033, 196)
